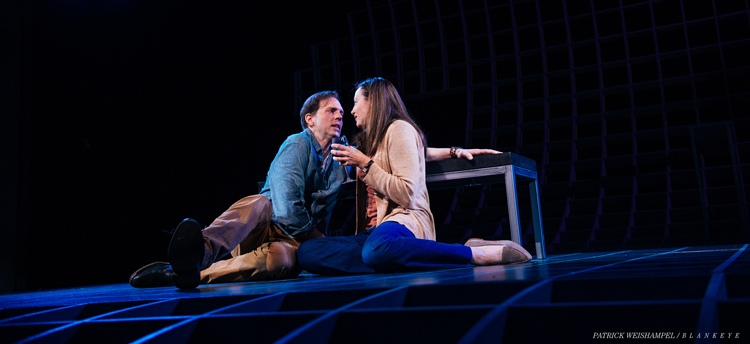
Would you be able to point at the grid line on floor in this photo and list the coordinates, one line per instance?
(670, 289)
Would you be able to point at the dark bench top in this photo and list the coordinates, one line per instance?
(480, 161)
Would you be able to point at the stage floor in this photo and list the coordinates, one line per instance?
(680, 293)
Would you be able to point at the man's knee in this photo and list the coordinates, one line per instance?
(259, 203)
(262, 200)
(252, 201)
(281, 261)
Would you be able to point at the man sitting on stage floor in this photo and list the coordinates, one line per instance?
(262, 232)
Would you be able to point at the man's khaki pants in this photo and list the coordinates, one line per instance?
(259, 249)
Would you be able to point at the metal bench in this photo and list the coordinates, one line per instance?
(489, 169)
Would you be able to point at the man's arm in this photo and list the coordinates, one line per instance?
(435, 154)
(287, 187)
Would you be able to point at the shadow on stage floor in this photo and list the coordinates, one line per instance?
(680, 292)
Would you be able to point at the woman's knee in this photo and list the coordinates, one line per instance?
(377, 255)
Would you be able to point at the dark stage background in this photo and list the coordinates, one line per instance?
(136, 114)
(126, 116)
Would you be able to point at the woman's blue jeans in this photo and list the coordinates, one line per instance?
(385, 248)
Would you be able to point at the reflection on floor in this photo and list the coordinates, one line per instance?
(685, 292)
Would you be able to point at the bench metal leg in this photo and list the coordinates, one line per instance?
(536, 216)
(513, 219)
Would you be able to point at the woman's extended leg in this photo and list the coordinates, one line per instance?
(393, 247)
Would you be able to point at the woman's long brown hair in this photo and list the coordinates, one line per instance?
(385, 107)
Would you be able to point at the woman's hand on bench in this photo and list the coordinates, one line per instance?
(435, 154)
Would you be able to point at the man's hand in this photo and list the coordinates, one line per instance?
(312, 235)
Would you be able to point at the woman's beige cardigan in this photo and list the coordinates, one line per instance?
(398, 178)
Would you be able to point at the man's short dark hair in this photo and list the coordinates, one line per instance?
(312, 104)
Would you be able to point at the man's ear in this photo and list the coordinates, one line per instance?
(309, 120)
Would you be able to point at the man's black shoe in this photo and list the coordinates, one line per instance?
(186, 254)
(154, 275)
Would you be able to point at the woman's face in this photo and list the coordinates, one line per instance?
(359, 111)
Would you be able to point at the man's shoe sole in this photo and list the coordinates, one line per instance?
(186, 254)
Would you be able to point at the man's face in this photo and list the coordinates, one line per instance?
(327, 121)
